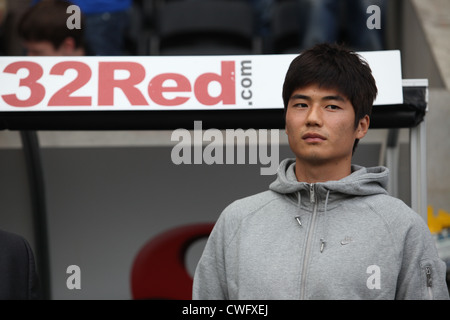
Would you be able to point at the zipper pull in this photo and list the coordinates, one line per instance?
(429, 278)
(322, 245)
(429, 282)
(298, 220)
(312, 197)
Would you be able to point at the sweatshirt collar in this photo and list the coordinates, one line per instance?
(362, 181)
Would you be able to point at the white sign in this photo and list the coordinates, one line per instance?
(164, 83)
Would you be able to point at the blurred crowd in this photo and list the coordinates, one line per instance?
(116, 27)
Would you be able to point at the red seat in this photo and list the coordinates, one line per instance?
(159, 270)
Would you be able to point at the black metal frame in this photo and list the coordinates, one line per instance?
(406, 115)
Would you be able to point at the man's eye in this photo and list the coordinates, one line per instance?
(301, 105)
(332, 107)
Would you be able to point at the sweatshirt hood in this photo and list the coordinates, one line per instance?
(361, 182)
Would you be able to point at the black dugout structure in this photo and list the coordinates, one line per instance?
(410, 114)
(407, 115)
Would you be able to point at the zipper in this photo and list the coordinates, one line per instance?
(312, 197)
(429, 281)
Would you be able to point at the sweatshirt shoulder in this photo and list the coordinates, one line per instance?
(234, 215)
(243, 208)
(395, 212)
(251, 204)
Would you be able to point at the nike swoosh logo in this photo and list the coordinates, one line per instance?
(346, 240)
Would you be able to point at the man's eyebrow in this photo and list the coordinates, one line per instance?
(337, 98)
(300, 96)
(326, 98)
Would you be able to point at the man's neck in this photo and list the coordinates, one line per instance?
(312, 173)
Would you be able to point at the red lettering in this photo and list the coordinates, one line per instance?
(37, 90)
(166, 89)
(62, 97)
(226, 80)
(156, 89)
(107, 83)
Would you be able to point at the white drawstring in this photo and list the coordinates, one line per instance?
(298, 206)
(322, 240)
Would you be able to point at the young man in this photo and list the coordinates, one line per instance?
(43, 29)
(326, 229)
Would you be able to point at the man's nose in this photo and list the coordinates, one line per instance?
(314, 116)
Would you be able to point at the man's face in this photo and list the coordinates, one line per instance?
(41, 48)
(46, 48)
(320, 124)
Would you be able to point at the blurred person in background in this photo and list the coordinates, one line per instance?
(44, 32)
(106, 23)
(329, 19)
(18, 276)
(3, 10)
(3, 13)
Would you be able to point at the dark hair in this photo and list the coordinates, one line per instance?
(335, 67)
(47, 21)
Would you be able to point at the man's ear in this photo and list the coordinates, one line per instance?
(285, 125)
(363, 127)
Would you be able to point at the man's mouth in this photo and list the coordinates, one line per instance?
(313, 137)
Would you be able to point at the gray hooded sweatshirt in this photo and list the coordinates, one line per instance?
(345, 239)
